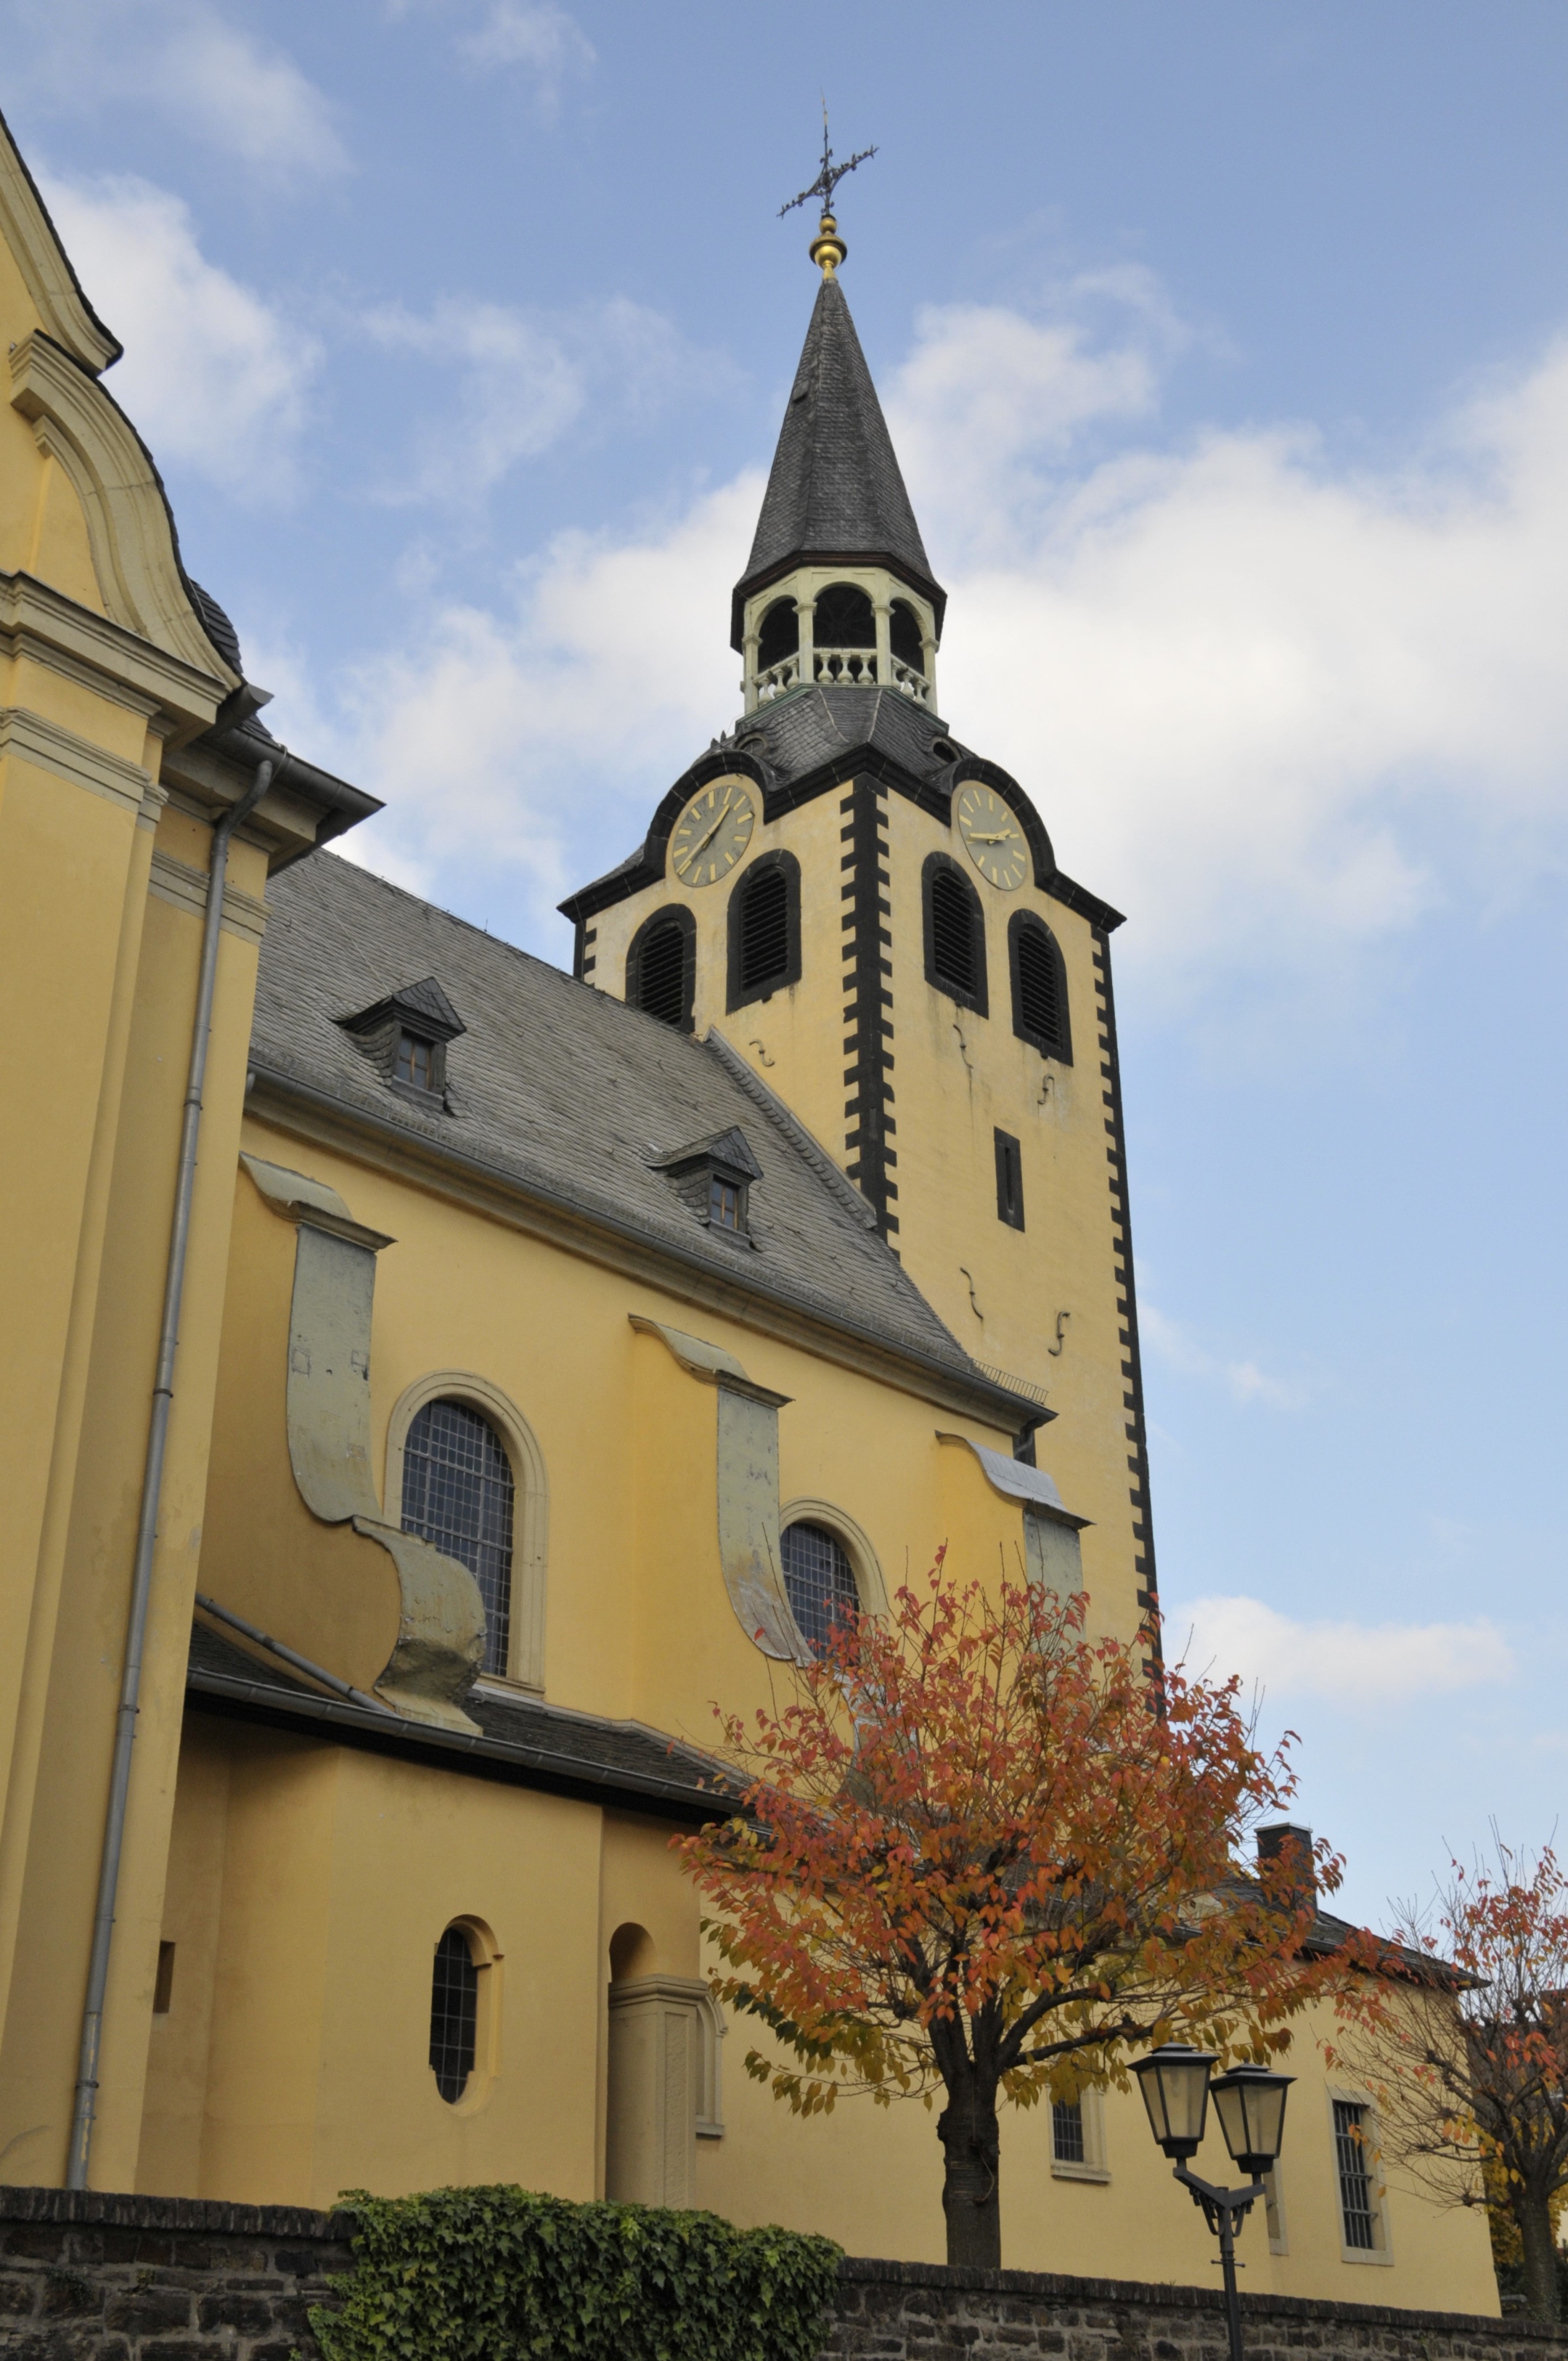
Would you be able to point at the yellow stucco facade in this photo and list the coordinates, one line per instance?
(367, 1242)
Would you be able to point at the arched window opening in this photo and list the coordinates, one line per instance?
(764, 928)
(955, 934)
(661, 968)
(780, 634)
(820, 1581)
(903, 635)
(843, 618)
(458, 1495)
(454, 2013)
(1039, 987)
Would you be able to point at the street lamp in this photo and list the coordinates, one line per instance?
(1250, 2103)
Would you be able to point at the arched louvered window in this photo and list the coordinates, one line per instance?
(820, 1581)
(454, 2013)
(780, 634)
(1039, 987)
(764, 928)
(661, 968)
(903, 635)
(955, 933)
(458, 1494)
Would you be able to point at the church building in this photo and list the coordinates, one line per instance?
(433, 1380)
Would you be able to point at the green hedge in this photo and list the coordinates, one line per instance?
(490, 2274)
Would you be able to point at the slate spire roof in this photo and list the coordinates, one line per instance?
(836, 489)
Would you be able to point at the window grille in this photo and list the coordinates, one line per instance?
(1067, 2131)
(416, 1061)
(454, 2013)
(820, 1582)
(1009, 1180)
(1358, 2206)
(952, 933)
(1039, 987)
(661, 974)
(458, 1495)
(764, 929)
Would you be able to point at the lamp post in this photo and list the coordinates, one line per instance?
(1250, 2103)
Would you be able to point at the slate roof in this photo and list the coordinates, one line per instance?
(568, 1094)
(836, 488)
(520, 1738)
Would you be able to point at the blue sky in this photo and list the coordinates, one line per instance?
(1226, 348)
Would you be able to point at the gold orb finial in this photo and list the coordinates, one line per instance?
(828, 247)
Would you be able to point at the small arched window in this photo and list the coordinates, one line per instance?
(661, 968)
(780, 634)
(1039, 987)
(454, 2013)
(820, 1581)
(955, 933)
(458, 1495)
(905, 636)
(843, 618)
(764, 928)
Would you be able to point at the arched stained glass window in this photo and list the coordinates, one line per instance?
(458, 1495)
(454, 2013)
(819, 1580)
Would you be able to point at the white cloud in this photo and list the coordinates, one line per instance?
(1347, 1663)
(530, 33)
(188, 61)
(213, 377)
(1179, 1349)
(523, 380)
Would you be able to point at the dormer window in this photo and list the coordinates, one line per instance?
(416, 1061)
(405, 1038)
(713, 1179)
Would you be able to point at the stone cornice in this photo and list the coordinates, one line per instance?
(36, 740)
(102, 654)
(309, 1112)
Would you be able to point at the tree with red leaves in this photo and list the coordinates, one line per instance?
(984, 1855)
(1469, 2060)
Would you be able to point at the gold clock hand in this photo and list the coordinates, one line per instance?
(1004, 837)
(703, 840)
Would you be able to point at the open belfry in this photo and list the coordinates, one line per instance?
(432, 1381)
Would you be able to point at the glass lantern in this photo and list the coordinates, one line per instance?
(1250, 2103)
(1174, 2080)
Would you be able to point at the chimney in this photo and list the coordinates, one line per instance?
(1290, 1839)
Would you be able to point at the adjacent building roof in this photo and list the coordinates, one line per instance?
(836, 489)
(566, 1096)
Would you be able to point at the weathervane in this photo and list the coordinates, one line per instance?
(827, 248)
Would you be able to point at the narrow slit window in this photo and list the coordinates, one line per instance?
(459, 1494)
(454, 2013)
(1009, 1180)
(163, 1987)
(1357, 2203)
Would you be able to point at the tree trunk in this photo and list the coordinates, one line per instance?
(1533, 2215)
(972, 2151)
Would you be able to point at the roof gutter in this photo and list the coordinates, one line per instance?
(80, 2147)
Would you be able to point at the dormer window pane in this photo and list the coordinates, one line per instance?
(723, 1203)
(416, 1061)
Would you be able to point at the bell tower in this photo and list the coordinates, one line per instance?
(870, 915)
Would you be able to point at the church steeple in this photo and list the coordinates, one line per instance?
(838, 588)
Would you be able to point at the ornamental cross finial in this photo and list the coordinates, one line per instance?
(828, 247)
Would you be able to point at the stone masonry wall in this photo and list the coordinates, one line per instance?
(97, 2278)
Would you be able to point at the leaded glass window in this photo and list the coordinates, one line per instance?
(458, 1495)
(820, 1581)
(454, 2013)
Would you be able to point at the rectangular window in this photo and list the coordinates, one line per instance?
(1009, 1180)
(1067, 2131)
(163, 1986)
(723, 1203)
(416, 1061)
(1353, 2157)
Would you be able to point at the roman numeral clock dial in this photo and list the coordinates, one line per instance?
(712, 833)
(992, 837)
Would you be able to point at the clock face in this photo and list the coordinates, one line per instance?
(712, 833)
(993, 836)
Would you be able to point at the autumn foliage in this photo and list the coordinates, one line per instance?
(986, 1857)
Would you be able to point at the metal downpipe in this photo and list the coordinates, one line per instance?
(152, 1484)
